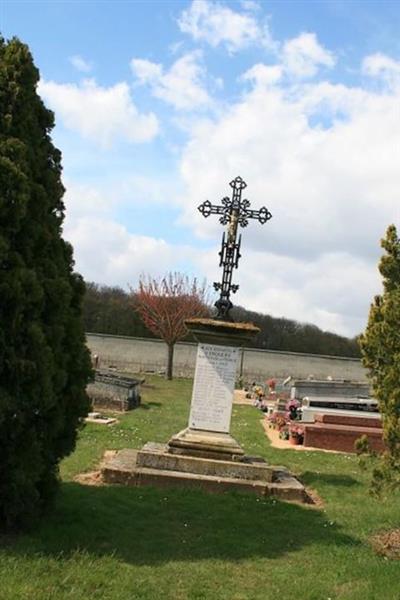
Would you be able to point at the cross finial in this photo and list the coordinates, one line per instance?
(238, 184)
(234, 212)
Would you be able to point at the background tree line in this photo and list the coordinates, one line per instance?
(113, 310)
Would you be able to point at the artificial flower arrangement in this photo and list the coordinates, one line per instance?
(292, 408)
(296, 434)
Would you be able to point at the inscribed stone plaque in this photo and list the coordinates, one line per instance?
(213, 386)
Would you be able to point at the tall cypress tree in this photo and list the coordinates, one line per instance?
(380, 347)
(44, 363)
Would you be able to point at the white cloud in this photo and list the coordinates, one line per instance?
(299, 58)
(318, 291)
(105, 251)
(303, 55)
(101, 114)
(112, 194)
(82, 200)
(146, 71)
(263, 75)
(217, 24)
(381, 65)
(324, 159)
(250, 5)
(80, 63)
(182, 85)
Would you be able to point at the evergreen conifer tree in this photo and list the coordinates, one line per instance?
(44, 363)
(380, 347)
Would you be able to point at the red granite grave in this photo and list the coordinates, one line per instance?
(340, 432)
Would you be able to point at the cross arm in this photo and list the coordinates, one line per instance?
(263, 215)
(208, 209)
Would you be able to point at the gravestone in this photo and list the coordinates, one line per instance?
(213, 388)
(208, 431)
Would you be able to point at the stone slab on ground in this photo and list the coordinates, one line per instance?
(123, 468)
(94, 417)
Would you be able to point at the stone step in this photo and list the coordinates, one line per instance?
(122, 468)
(156, 456)
(210, 483)
(205, 444)
(119, 467)
(287, 487)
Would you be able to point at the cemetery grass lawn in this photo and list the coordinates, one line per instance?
(112, 542)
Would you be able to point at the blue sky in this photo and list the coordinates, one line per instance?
(160, 104)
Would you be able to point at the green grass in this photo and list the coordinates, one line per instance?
(127, 543)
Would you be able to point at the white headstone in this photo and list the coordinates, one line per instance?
(213, 387)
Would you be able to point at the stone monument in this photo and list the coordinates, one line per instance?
(205, 454)
(208, 431)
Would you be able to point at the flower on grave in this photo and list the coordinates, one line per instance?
(292, 409)
(280, 422)
(296, 430)
(293, 403)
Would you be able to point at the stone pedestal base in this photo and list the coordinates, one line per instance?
(205, 444)
(155, 465)
(200, 458)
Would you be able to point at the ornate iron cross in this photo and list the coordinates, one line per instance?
(234, 211)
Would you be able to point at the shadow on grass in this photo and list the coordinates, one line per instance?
(311, 477)
(149, 526)
(148, 405)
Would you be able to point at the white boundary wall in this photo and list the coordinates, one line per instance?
(144, 354)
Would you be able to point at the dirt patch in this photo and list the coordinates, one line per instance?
(387, 544)
(239, 397)
(91, 478)
(94, 477)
